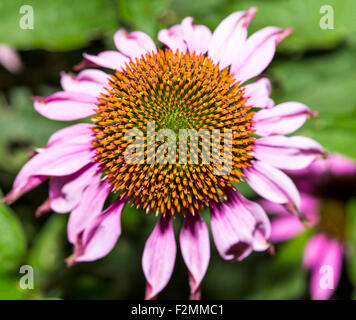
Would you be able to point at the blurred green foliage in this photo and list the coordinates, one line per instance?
(59, 25)
(313, 66)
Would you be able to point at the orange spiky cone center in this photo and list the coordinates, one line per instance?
(174, 91)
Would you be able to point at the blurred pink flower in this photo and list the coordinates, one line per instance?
(10, 59)
(325, 187)
(80, 183)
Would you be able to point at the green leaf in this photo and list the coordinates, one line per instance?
(284, 277)
(58, 25)
(291, 285)
(46, 254)
(10, 290)
(327, 84)
(12, 240)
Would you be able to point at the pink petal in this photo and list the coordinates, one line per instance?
(10, 59)
(310, 209)
(313, 250)
(134, 44)
(66, 192)
(230, 36)
(273, 208)
(186, 36)
(285, 228)
(258, 93)
(196, 37)
(272, 184)
(43, 208)
(159, 256)
(88, 209)
(58, 160)
(326, 274)
(100, 236)
(66, 106)
(91, 82)
(238, 227)
(340, 165)
(292, 153)
(262, 229)
(173, 38)
(257, 52)
(70, 134)
(332, 166)
(282, 119)
(23, 185)
(108, 59)
(195, 247)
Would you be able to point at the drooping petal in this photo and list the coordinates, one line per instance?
(133, 44)
(257, 52)
(292, 153)
(195, 247)
(90, 81)
(284, 118)
(58, 160)
(230, 36)
(88, 209)
(232, 237)
(258, 93)
(107, 59)
(238, 227)
(186, 36)
(66, 192)
(10, 59)
(325, 274)
(66, 106)
(272, 184)
(100, 236)
(159, 256)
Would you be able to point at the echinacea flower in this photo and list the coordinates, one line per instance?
(196, 82)
(325, 186)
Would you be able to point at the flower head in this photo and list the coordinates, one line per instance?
(141, 111)
(326, 186)
(181, 92)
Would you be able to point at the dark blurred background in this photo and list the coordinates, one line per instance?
(313, 66)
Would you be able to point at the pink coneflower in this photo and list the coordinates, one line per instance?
(326, 186)
(194, 83)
